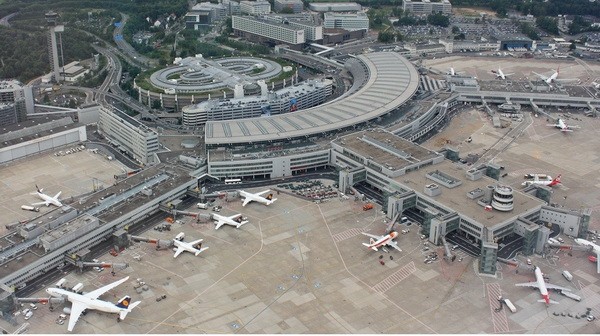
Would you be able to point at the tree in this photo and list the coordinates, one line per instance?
(572, 46)
(460, 36)
(287, 10)
(438, 19)
(455, 30)
(548, 24)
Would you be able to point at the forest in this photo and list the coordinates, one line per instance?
(24, 45)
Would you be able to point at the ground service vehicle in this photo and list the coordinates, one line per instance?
(202, 206)
(367, 206)
(567, 275)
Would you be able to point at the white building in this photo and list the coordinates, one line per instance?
(313, 31)
(349, 22)
(262, 30)
(334, 6)
(232, 7)
(131, 136)
(425, 7)
(255, 7)
(205, 13)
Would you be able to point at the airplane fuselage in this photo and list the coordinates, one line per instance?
(539, 278)
(94, 304)
(595, 247)
(49, 200)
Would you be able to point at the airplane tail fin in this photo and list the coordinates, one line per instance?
(555, 181)
(269, 197)
(124, 302)
(201, 250)
(123, 313)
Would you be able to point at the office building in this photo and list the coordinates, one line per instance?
(349, 22)
(426, 7)
(313, 29)
(17, 100)
(267, 31)
(232, 7)
(255, 7)
(129, 135)
(296, 6)
(205, 14)
(334, 7)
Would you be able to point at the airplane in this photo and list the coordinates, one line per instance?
(379, 241)
(554, 77)
(181, 246)
(540, 284)
(235, 220)
(90, 301)
(595, 249)
(249, 197)
(451, 72)
(47, 199)
(538, 176)
(560, 124)
(549, 183)
(500, 74)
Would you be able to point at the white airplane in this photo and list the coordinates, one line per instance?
(451, 72)
(554, 77)
(249, 197)
(235, 220)
(540, 284)
(500, 74)
(47, 199)
(538, 176)
(560, 124)
(549, 183)
(90, 301)
(595, 249)
(193, 247)
(379, 241)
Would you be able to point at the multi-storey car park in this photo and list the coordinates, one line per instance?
(197, 74)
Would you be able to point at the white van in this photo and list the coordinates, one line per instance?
(202, 206)
(567, 275)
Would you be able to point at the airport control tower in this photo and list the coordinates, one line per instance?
(54, 44)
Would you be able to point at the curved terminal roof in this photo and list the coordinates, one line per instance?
(392, 81)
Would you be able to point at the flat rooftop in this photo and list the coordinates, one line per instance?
(392, 81)
(456, 198)
(386, 148)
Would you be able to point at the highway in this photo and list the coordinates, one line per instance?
(126, 47)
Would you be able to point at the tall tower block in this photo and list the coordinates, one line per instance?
(54, 44)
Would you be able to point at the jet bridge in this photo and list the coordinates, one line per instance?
(448, 255)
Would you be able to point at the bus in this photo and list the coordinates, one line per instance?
(233, 181)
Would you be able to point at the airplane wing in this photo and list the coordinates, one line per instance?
(246, 201)
(56, 196)
(96, 293)
(40, 203)
(528, 284)
(76, 309)
(541, 76)
(180, 250)
(372, 236)
(394, 245)
(508, 74)
(552, 125)
(262, 192)
(195, 242)
(597, 263)
(219, 224)
(551, 286)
